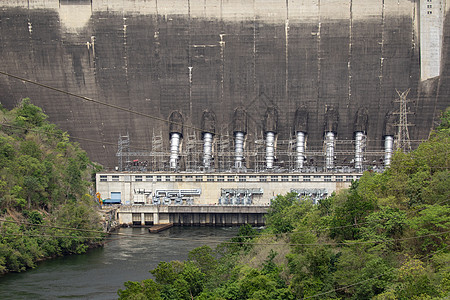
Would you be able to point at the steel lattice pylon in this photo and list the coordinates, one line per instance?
(403, 141)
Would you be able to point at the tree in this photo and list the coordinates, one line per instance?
(243, 239)
(29, 115)
(167, 272)
(146, 289)
(383, 225)
(7, 152)
(278, 208)
(311, 271)
(350, 213)
(34, 187)
(194, 278)
(204, 258)
(432, 224)
(413, 281)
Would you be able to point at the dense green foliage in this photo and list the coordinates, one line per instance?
(386, 237)
(44, 180)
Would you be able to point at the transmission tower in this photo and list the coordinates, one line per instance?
(403, 142)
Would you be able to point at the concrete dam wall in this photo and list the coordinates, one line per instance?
(329, 60)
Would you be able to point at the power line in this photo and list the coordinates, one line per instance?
(243, 243)
(147, 149)
(248, 236)
(360, 282)
(60, 135)
(115, 106)
(239, 243)
(102, 103)
(308, 297)
(55, 227)
(118, 233)
(52, 236)
(344, 287)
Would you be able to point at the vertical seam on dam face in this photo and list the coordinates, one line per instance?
(380, 81)
(217, 55)
(349, 64)
(286, 86)
(320, 105)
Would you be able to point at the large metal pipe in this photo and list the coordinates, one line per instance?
(300, 130)
(388, 146)
(330, 150)
(359, 137)
(300, 150)
(331, 125)
(390, 129)
(360, 129)
(239, 149)
(175, 133)
(239, 130)
(208, 130)
(207, 149)
(174, 147)
(270, 142)
(270, 125)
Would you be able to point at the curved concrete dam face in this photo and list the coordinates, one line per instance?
(156, 57)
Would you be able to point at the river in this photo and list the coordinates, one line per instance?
(99, 273)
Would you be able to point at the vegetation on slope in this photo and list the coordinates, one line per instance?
(387, 237)
(45, 181)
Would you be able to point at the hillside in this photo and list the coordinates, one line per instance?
(45, 206)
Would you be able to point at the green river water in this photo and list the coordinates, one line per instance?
(99, 273)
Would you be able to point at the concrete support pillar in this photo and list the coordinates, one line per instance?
(234, 219)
